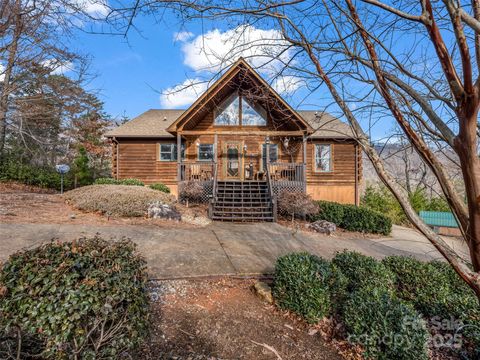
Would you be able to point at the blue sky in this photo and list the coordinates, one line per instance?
(132, 72)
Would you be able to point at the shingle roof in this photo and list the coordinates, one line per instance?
(154, 122)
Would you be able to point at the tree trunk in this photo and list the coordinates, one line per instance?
(7, 88)
(466, 148)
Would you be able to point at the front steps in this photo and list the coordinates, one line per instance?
(242, 201)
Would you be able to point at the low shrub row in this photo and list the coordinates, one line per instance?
(353, 218)
(160, 187)
(386, 306)
(86, 299)
(116, 200)
(111, 181)
(12, 170)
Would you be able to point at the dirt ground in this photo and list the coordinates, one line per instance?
(26, 204)
(224, 319)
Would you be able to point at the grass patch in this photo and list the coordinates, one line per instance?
(116, 200)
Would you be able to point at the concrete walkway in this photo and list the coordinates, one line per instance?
(221, 248)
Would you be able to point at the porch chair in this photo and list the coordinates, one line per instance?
(195, 172)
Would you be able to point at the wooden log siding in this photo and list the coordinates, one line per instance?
(140, 159)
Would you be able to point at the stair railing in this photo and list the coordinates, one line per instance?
(214, 190)
(272, 198)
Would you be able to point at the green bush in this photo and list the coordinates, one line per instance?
(379, 198)
(330, 211)
(302, 285)
(384, 326)
(420, 284)
(362, 272)
(354, 218)
(160, 187)
(13, 170)
(111, 181)
(87, 296)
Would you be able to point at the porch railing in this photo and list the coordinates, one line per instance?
(197, 171)
(287, 172)
(287, 177)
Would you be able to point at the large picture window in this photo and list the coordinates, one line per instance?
(253, 115)
(323, 157)
(238, 110)
(168, 152)
(229, 112)
(206, 152)
(273, 150)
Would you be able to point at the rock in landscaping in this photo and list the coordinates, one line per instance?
(323, 226)
(263, 291)
(158, 210)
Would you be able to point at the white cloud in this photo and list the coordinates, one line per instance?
(210, 53)
(2, 72)
(287, 84)
(57, 67)
(265, 50)
(182, 36)
(184, 94)
(96, 8)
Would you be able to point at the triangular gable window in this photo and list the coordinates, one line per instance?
(253, 115)
(228, 113)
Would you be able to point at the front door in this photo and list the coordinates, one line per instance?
(232, 161)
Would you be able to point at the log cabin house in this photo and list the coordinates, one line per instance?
(243, 144)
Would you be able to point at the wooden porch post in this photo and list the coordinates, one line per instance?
(215, 148)
(179, 157)
(304, 146)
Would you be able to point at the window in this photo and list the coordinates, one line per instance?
(273, 149)
(323, 157)
(205, 152)
(253, 115)
(168, 152)
(228, 113)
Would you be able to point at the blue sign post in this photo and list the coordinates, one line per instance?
(62, 169)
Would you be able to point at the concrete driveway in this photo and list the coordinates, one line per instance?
(221, 248)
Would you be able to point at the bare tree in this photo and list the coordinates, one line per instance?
(406, 63)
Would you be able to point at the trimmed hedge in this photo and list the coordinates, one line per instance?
(160, 187)
(384, 326)
(111, 181)
(437, 291)
(363, 272)
(88, 296)
(353, 218)
(302, 285)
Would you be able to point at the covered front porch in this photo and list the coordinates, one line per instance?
(278, 158)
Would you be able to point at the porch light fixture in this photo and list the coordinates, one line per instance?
(285, 142)
(245, 147)
(267, 140)
(197, 143)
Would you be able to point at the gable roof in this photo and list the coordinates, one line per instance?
(239, 69)
(155, 122)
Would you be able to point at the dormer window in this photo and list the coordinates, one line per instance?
(237, 110)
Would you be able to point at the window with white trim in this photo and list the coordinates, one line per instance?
(168, 152)
(323, 157)
(206, 152)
